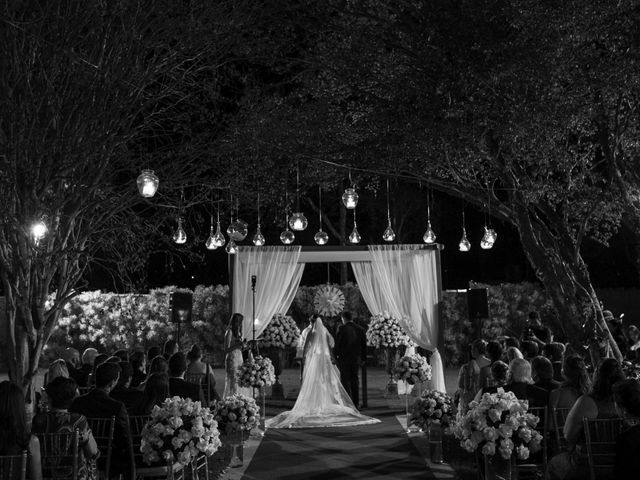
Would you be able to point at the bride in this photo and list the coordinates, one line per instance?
(323, 401)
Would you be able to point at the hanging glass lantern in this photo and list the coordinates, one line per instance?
(350, 198)
(429, 236)
(321, 237)
(298, 222)
(488, 239)
(355, 237)
(258, 238)
(389, 235)
(231, 247)
(147, 183)
(211, 241)
(238, 230)
(180, 236)
(218, 238)
(287, 236)
(464, 245)
(38, 231)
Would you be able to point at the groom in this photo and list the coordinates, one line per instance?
(350, 352)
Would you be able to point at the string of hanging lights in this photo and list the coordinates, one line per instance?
(258, 239)
(321, 237)
(287, 236)
(389, 235)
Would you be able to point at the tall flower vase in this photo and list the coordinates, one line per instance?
(235, 440)
(390, 354)
(434, 434)
(497, 468)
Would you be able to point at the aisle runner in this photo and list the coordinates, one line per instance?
(375, 452)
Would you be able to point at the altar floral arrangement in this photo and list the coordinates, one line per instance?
(256, 372)
(412, 369)
(282, 332)
(178, 431)
(432, 406)
(384, 331)
(499, 422)
(235, 413)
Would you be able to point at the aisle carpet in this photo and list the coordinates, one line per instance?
(374, 452)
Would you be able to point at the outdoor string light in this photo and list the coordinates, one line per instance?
(38, 231)
(147, 183)
(321, 237)
(350, 197)
(258, 238)
(180, 236)
(287, 236)
(389, 235)
(429, 235)
(354, 237)
(464, 245)
(298, 221)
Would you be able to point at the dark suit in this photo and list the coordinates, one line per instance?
(182, 388)
(349, 350)
(97, 404)
(129, 396)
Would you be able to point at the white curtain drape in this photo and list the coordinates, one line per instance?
(403, 280)
(278, 276)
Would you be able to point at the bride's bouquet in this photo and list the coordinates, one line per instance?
(256, 372)
(499, 422)
(432, 406)
(412, 369)
(384, 331)
(236, 413)
(178, 431)
(282, 332)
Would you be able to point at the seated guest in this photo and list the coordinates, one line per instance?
(123, 355)
(158, 365)
(61, 392)
(511, 342)
(156, 391)
(512, 353)
(494, 354)
(499, 378)
(575, 384)
(57, 369)
(98, 404)
(114, 359)
(177, 385)
(617, 330)
(152, 353)
(170, 347)
(554, 351)
(88, 357)
(521, 384)
(14, 434)
(626, 394)
(597, 404)
(543, 374)
(529, 349)
(71, 356)
(123, 391)
(633, 352)
(469, 374)
(138, 363)
(99, 360)
(197, 366)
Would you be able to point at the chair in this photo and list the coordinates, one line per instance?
(200, 468)
(559, 418)
(14, 467)
(59, 455)
(202, 380)
(600, 439)
(102, 429)
(536, 466)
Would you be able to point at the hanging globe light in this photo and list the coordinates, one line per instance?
(231, 247)
(211, 241)
(321, 237)
(488, 239)
(389, 235)
(464, 245)
(238, 230)
(355, 237)
(218, 238)
(287, 236)
(298, 222)
(147, 183)
(258, 238)
(429, 236)
(180, 236)
(38, 231)
(350, 198)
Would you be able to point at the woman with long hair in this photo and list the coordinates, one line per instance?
(14, 434)
(156, 391)
(576, 382)
(233, 347)
(158, 365)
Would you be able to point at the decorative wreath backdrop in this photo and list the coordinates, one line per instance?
(328, 301)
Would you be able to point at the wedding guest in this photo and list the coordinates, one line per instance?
(536, 331)
(554, 351)
(113, 359)
(499, 378)
(61, 392)
(529, 349)
(153, 352)
(576, 382)
(493, 353)
(469, 374)
(626, 395)
(511, 342)
(197, 366)
(99, 360)
(122, 354)
(521, 384)
(123, 391)
(156, 391)
(71, 356)
(543, 374)
(57, 369)
(633, 352)
(88, 358)
(617, 330)
(178, 386)
(98, 404)
(14, 433)
(597, 404)
(513, 353)
(158, 365)
(170, 347)
(138, 363)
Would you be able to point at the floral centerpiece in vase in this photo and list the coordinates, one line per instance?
(235, 415)
(499, 427)
(411, 369)
(432, 412)
(178, 431)
(280, 334)
(257, 372)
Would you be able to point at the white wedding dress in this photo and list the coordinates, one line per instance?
(322, 401)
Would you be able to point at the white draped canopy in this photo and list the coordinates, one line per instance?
(400, 279)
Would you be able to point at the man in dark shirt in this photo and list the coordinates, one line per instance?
(98, 404)
(543, 374)
(537, 332)
(178, 386)
(351, 352)
(123, 392)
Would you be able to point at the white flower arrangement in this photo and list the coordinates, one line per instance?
(256, 372)
(384, 331)
(179, 431)
(499, 423)
(281, 332)
(432, 407)
(236, 413)
(412, 369)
